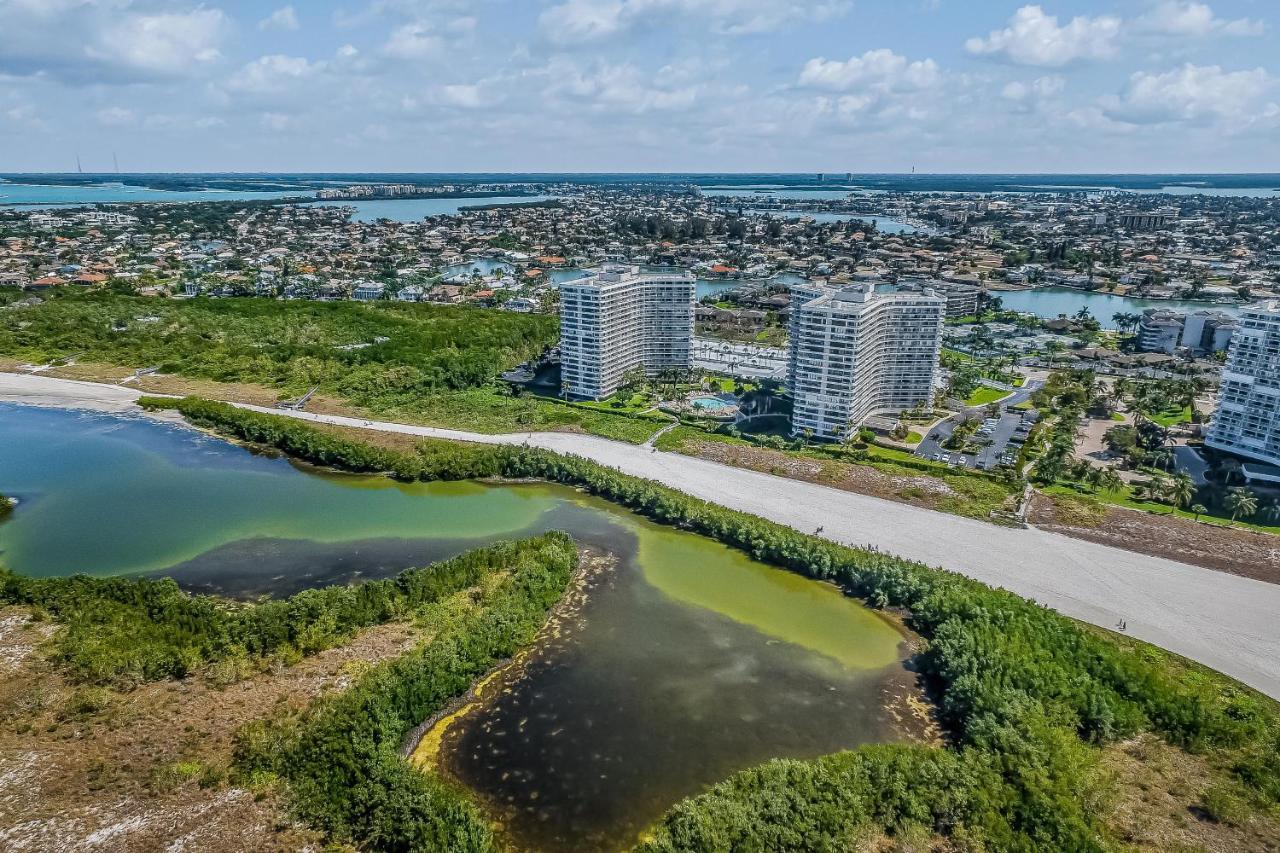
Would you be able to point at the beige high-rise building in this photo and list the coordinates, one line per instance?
(856, 352)
(619, 319)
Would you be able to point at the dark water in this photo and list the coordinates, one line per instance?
(685, 662)
(643, 699)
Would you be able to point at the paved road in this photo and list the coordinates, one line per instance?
(1224, 621)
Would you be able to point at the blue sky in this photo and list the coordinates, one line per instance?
(641, 85)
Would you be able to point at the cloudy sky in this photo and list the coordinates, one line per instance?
(641, 85)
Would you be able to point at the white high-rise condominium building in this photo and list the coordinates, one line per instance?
(1247, 421)
(619, 319)
(856, 352)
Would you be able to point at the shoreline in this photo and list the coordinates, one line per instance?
(1001, 287)
(1225, 622)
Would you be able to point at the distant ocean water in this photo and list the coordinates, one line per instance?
(70, 189)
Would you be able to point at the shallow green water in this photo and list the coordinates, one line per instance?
(688, 661)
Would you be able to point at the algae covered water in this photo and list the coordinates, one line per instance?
(680, 663)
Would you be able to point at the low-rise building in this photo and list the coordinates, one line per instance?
(1159, 330)
(1207, 331)
(368, 291)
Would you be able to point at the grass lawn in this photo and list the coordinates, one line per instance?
(913, 437)
(985, 395)
(1124, 498)
(1178, 416)
(631, 403)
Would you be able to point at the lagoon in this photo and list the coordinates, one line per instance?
(686, 662)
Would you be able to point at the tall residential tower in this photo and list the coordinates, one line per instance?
(856, 352)
(619, 319)
(1247, 421)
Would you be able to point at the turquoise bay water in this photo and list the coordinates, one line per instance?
(40, 196)
(1050, 302)
(415, 209)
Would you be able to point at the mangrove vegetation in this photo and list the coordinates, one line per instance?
(1027, 696)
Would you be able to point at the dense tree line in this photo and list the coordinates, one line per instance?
(375, 355)
(341, 757)
(126, 630)
(1024, 692)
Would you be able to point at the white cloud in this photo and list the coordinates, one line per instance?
(276, 121)
(1038, 89)
(621, 88)
(1193, 94)
(464, 24)
(466, 95)
(284, 18)
(578, 21)
(164, 44)
(582, 20)
(882, 69)
(273, 75)
(1187, 18)
(1035, 38)
(107, 41)
(414, 40)
(115, 116)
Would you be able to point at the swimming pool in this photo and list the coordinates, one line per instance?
(711, 403)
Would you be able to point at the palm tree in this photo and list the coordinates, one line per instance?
(1110, 481)
(1162, 458)
(1158, 488)
(1241, 502)
(1199, 510)
(1182, 490)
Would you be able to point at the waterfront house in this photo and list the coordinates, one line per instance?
(368, 291)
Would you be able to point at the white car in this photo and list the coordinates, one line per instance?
(964, 461)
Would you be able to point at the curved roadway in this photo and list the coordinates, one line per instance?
(1227, 622)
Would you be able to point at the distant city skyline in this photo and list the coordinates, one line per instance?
(1091, 86)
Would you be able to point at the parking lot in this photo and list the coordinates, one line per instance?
(1000, 439)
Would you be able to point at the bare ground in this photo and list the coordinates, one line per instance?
(918, 490)
(1160, 803)
(86, 768)
(1224, 549)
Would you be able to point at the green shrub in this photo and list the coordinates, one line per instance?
(341, 758)
(123, 631)
(1022, 690)
(1223, 804)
